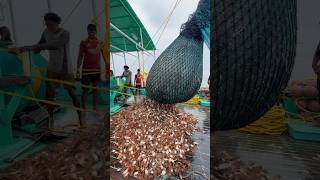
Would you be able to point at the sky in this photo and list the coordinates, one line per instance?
(152, 14)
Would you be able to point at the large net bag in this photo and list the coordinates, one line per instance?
(253, 52)
(176, 75)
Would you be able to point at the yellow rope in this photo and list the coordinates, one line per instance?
(272, 123)
(167, 21)
(195, 100)
(85, 86)
(52, 129)
(81, 85)
(38, 101)
(46, 101)
(71, 12)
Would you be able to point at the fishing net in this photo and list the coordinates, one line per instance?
(253, 52)
(176, 75)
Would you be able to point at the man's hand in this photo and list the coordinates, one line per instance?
(78, 78)
(34, 48)
(14, 50)
(316, 68)
(26, 48)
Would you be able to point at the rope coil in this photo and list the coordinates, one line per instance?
(272, 123)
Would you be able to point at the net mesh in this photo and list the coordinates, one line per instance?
(176, 75)
(253, 52)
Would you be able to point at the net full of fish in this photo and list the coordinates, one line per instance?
(176, 75)
(253, 52)
(151, 139)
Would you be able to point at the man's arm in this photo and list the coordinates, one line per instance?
(316, 59)
(42, 41)
(34, 48)
(80, 55)
(53, 45)
(62, 40)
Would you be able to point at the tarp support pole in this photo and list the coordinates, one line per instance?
(115, 47)
(94, 8)
(49, 5)
(139, 59)
(94, 14)
(13, 24)
(142, 58)
(129, 38)
(114, 69)
(124, 57)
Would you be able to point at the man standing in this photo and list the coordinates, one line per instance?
(138, 81)
(89, 56)
(56, 40)
(127, 75)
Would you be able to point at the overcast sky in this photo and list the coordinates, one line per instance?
(152, 14)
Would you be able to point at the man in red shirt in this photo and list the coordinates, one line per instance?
(138, 81)
(89, 57)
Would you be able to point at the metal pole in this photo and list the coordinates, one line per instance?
(94, 8)
(129, 38)
(124, 57)
(125, 44)
(13, 24)
(49, 5)
(141, 38)
(115, 47)
(139, 59)
(114, 69)
(94, 14)
(142, 58)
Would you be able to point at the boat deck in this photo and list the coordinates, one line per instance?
(289, 158)
(65, 117)
(200, 160)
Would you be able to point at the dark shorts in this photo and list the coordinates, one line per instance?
(138, 86)
(87, 79)
(90, 78)
(59, 76)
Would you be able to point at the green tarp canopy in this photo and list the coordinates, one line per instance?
(125, 19)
